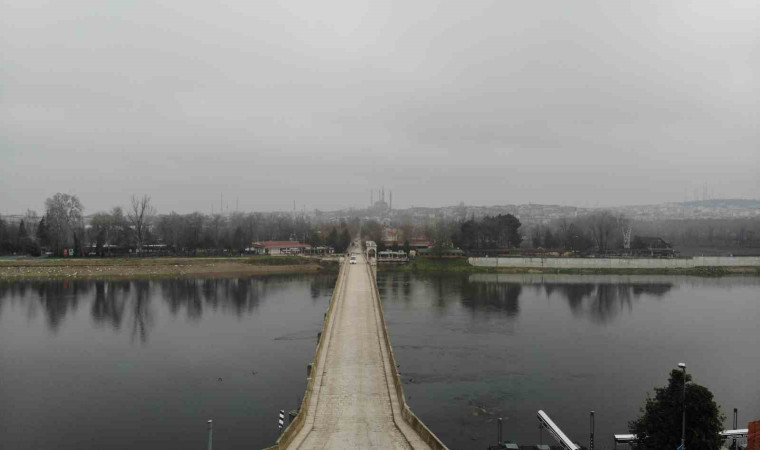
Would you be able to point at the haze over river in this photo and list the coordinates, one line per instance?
(144, 364)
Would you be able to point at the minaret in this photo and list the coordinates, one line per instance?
(371, 198)
(391, 203)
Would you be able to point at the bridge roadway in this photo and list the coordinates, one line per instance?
(354, 403)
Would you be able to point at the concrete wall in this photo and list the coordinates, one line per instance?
(681, 280)
(619, 263)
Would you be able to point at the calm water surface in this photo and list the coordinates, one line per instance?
(473, 348)
(144, 364)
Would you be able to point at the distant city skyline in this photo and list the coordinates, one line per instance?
(708, 208)
(251, 202)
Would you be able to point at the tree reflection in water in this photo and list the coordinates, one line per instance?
(57, 298)
(484, 294)
(445, 290)
(321, 286)
(604, 300)
(487, 297)
(110, 303)
(113, 302)
(406, 280)
(141, 313)
(388, 284)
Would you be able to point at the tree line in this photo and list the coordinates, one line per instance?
(600, 232)
(729, 233)
(142, 230)
(604, 232)
(502, 231)
(19, 237)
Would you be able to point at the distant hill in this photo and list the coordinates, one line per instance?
(735, 208)
(724, 203)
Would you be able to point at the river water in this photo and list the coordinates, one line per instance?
(473, 348)
(144, 364)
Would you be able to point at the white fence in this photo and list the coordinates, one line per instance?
(619, 263)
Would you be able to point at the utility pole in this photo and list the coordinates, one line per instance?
(683, 405)
(736, 425)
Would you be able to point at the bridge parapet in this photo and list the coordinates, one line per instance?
(406, 412)
(290, 432)
(387, 424)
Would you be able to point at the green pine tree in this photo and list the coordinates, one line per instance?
(42, 233)
(332, 239)
(659, 426)
(344, 241)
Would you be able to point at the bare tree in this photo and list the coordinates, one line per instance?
(64, 220)
(441, 233)
(563, 229)
(107, 230)
(626, 228)
(101, 228)
(32, 219)
(121, 230)
(601, 224)
(140, 214)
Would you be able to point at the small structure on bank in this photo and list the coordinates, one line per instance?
(392, 239)
(392, 257)
(275, 248)
(652, 246)
(371, 247)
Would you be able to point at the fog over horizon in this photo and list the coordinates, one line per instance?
(588, 103)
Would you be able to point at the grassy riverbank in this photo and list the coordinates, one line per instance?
(460, 265)
(161, 267)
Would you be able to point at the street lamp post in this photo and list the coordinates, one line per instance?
(683, 406)
(210, 443)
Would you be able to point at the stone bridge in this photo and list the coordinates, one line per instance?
(354, 396)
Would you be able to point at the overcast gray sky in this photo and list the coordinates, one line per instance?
(486, 102)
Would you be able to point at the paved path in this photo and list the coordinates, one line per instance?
(354, 403)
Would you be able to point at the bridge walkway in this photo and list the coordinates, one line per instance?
(354, 402)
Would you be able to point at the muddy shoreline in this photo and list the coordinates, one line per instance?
(44, 269)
